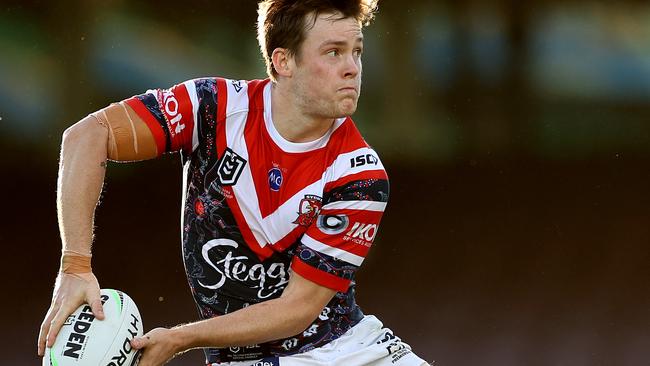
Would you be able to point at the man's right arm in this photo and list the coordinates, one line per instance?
(139, 128)
(115, 133)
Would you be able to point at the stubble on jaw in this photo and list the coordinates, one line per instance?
(320, 108)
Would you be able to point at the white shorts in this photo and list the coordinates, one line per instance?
(367, 343)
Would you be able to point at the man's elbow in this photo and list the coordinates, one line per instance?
(87, 131)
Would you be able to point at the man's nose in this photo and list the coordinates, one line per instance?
(352, 66)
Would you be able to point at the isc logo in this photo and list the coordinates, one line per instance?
(366, 232)
(171, 109)
(363, 160)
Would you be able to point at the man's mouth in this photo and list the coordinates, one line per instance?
(348, 89)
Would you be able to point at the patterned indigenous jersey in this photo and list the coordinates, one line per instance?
(256, 206)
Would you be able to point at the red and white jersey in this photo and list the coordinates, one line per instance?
(256, 205)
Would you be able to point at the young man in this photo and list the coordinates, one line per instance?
(282, 199)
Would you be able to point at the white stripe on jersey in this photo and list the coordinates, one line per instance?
(277, 225)
(331, 251)
(245, 188)
(237, 96)
(341, 167)
(190, 86)
(356, 205)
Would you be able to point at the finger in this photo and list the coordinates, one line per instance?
(45, 328)
(96, 304)
(57, 323)
(140, 342)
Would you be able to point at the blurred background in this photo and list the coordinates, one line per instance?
(516, 135)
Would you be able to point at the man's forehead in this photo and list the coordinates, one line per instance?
(333, 27)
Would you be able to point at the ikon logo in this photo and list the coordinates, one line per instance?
(366, 232)
(230, 167)
(171, 109)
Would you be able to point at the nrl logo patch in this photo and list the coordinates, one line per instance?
(230, 167)
(308, 209)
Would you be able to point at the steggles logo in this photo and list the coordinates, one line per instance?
(268, 277)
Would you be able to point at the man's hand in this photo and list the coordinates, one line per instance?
(70, 291)
(158, 347)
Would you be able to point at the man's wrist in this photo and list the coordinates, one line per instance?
(75, 263)
(182, 338)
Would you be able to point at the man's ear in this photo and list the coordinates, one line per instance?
(282, 62)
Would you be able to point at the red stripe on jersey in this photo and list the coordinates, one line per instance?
(222, 102)
(317, 276)
(256, 93)
(154, 126)
(298, 169)
(357, 246)
(179, 112)
(346, 138)
(261, 157)
(366, 174)
(247, 234)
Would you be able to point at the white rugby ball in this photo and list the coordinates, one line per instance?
(87, 341)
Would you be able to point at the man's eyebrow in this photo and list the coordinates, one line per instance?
(333, 42)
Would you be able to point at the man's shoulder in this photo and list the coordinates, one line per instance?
(234, 95)
(347, 138)
(353, 158)
(228, 85)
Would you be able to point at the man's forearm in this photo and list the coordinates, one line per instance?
(263, 322)
(79, 185)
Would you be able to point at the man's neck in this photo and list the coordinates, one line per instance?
(291, 122)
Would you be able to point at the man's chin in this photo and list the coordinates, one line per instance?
(347, 109)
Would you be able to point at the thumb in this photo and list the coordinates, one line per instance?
(140, 342)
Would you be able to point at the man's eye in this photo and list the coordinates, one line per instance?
(333, 53)
(358, 52)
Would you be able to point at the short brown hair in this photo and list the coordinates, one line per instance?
(282, 23)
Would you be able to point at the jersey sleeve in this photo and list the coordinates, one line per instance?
(337, 242)
(176, 116)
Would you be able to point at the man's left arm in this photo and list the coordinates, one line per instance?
(338, 239)
(300, 303)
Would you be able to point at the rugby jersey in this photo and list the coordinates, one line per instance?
(257, 207)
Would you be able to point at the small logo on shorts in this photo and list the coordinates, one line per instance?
(269, 361)
(275, 179)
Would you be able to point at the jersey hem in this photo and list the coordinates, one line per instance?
(322, 278)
